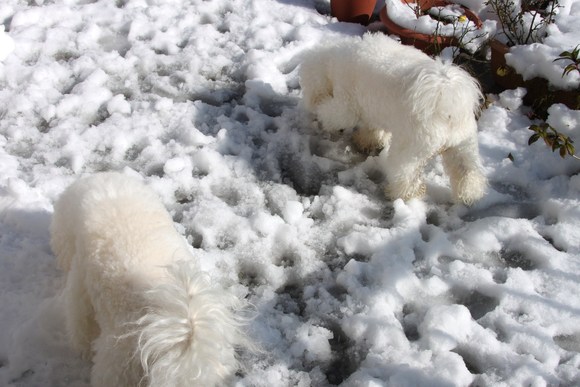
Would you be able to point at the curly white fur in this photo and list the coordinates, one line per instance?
(391, 91)
(134, 296)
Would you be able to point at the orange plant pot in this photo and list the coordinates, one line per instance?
(352, 11)
(539, 92)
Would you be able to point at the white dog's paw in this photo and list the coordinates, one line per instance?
(470, 188)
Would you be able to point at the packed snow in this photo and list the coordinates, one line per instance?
(201, 100)
(537, 59)
(449, 20)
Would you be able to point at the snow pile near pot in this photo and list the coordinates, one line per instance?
(537, 59)
(448, 20)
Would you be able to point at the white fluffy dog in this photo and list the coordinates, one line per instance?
(396, 93)
(134, 296)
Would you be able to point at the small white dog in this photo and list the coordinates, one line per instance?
(396, 93)
(134, 296)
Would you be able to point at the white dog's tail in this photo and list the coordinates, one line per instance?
(190, 332)
(445, 94)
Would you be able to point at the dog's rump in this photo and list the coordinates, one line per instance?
(134, 293)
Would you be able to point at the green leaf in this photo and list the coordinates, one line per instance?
(548, 141)
(562, 152)
(568, 69)
(533, 138)
(564, 55)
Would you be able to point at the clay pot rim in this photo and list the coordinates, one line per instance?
(429, 38)
(343, 10)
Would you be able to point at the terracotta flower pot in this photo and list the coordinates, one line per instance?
(535, 5)
(539, 92)
(425, 42)
(503, 75)
(352, 11)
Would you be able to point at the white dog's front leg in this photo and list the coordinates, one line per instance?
(404, 170)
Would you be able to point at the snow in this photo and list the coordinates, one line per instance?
(453, 23)
(6, 44)
(201, 99)
(537, 59)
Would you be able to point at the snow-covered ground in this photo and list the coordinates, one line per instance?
(537, 59)
(201, 98)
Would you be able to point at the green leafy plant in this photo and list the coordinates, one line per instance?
(553, 139)
(574, 56)
(524, 25)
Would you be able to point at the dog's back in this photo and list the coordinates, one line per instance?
(393, 78)
(380, 78)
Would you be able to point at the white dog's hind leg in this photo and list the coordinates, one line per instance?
(463, 166)
(404, 169)
(115, 362)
